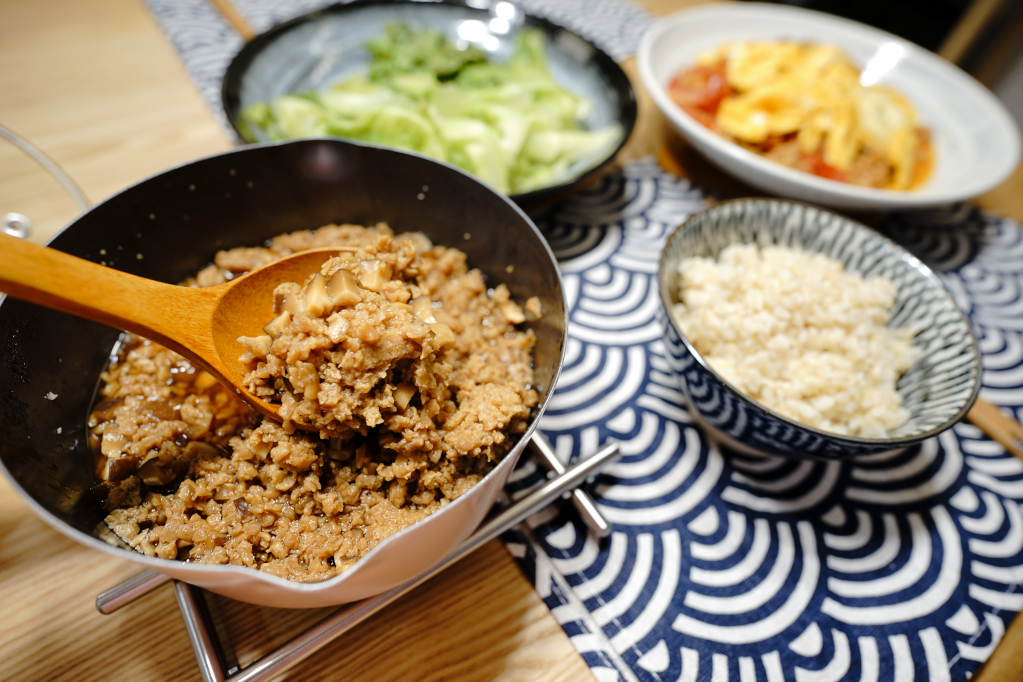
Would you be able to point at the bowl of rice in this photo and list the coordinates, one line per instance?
(796, 332)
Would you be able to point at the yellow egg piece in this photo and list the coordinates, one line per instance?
(814, 91)
(754, 65)
(773, 110)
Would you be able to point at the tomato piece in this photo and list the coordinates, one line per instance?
(704, 117)
(819, 167)
(698, 91)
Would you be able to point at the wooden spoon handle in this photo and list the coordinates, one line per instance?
(165, 313)
(1004, 430)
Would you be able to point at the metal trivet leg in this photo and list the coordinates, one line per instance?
(584, 504)
(207, 647)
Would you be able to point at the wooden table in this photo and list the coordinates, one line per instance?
(95, 85)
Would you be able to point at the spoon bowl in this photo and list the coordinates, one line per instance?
(202, 324)
(243, 306)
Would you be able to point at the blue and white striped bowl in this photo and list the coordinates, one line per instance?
(937, 390)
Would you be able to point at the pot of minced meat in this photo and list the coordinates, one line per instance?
(407, 413)
(410, 371)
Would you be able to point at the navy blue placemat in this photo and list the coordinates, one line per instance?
(901, 566)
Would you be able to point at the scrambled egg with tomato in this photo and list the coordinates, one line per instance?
(803, 105)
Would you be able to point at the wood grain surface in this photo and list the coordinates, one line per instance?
(96, 86)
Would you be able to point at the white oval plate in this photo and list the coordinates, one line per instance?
(977, 143)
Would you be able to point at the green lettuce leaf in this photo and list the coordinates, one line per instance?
(509, 124)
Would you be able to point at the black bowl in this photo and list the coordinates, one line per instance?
(316, 50)
(170, 226)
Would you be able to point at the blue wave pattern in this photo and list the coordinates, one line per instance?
(897, 566)
(205, 42)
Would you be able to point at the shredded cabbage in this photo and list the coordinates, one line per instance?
(509, 124)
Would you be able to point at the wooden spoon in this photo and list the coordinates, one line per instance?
(202, 324)
(1004, 430)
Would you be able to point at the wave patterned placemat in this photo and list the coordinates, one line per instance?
(902, 566)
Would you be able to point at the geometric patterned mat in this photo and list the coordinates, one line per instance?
(727, 567)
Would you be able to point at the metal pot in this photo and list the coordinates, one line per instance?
(167, 228)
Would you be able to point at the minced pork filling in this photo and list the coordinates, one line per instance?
(405, 375)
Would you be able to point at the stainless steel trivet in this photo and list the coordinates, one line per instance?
(209, 650)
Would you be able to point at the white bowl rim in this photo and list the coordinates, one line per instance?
(904, 255)
(830, 190)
